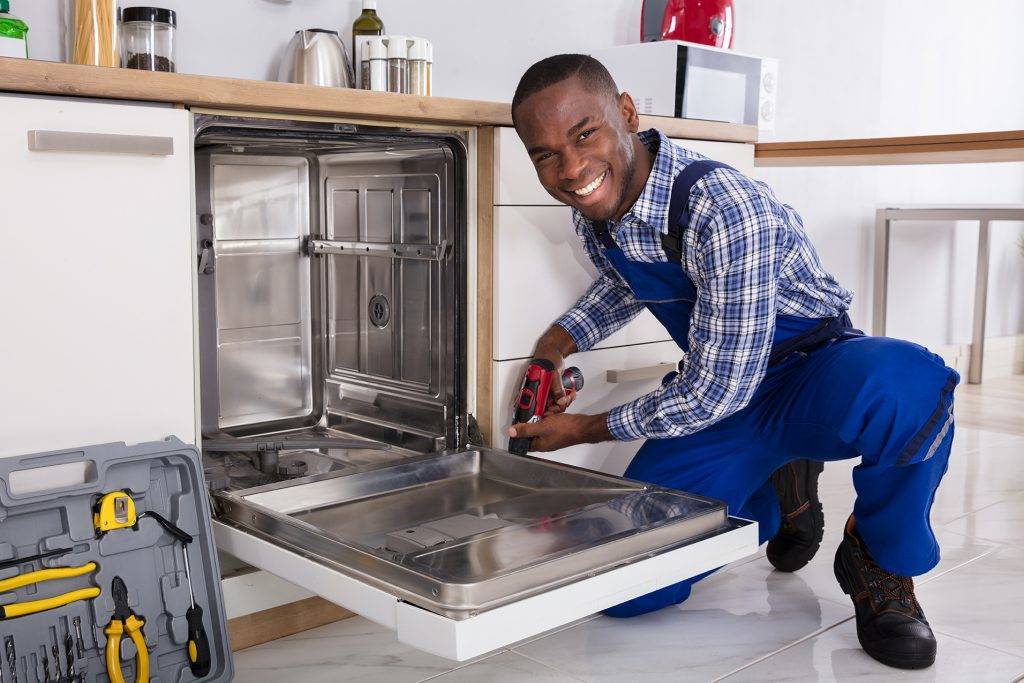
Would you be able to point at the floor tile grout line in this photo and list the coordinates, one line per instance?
(1010, 495)
(947, 634)
(549, 666)
(988, 552)
(463, 665)
(809, 636)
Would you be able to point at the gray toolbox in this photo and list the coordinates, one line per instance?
(53, 501)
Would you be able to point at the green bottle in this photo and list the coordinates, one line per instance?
(366, 25)
(13, 33)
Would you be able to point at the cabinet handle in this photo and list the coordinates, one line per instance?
(104, 143)
(636, 374)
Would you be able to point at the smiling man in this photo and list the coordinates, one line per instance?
(773, 380)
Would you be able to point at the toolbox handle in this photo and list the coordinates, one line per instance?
(49, 478)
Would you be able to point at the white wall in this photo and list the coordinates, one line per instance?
(849, 69)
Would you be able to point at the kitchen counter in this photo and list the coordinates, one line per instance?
(56, 78)
(959, 148)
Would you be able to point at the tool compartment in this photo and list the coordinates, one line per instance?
(48, 502)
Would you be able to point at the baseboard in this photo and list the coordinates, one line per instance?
(284, 620)
(1004, 356)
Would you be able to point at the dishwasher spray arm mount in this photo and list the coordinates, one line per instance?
(428, 252)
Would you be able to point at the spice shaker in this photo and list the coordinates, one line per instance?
(420, 58)
(147, 38)
(398, 63)
(374, 65)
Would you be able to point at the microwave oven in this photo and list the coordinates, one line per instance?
(693, 81)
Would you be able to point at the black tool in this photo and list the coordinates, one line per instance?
(199, 660)
(69, 657)
(46, 667)
(55, 651)
(12, 658)
(15, 561)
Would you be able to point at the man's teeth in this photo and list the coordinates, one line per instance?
(584, 191)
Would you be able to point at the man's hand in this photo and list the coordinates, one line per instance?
(555, 345)
(559, 430)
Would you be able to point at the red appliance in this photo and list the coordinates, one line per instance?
(709, 22)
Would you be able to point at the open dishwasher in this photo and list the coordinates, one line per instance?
(333, 296)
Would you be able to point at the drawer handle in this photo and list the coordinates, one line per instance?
(636, 374)
(104, 143)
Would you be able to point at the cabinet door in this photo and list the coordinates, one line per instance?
(97, 270)
(540, 269)
(611, 377)
(739, 155)
(517, 184)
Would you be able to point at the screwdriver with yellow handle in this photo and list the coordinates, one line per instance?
(20, 609)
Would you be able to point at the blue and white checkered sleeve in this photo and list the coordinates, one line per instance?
(733, 321)
(607, 305)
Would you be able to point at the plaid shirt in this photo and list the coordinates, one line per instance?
(749, 258)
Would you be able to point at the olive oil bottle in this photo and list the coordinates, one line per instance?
(367, 25)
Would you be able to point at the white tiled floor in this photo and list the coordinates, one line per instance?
(748, 622)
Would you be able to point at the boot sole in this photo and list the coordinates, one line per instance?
(895, 660)
(794, 562)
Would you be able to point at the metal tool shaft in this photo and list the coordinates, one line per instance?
(188, 574)
(12, 658)
(79, 642)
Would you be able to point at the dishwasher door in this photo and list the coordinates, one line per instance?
(467, 551)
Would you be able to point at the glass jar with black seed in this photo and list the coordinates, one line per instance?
(147, 38)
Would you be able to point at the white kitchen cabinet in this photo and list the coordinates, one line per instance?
(540, 269)
(516, 181)
(739, 155)
(97, 272)
(634, 370)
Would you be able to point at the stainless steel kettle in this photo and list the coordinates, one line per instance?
(316, 56)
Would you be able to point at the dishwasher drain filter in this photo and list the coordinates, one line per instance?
(380, 310)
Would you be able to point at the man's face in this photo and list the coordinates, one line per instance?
(581, 144)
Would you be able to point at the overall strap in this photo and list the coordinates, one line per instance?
(602, 234)
(678, 213)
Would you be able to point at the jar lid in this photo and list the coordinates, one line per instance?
(156, 14)
(420, 50)
(374, 48)
(398, 47)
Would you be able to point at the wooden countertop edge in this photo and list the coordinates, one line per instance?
(56, 78)
(990, 146)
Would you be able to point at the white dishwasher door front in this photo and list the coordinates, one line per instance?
(96, 268)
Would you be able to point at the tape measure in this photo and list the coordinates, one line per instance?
(114, 510)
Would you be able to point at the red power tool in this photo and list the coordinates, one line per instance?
(533, 397)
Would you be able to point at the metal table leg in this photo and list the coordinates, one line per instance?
(980, 304)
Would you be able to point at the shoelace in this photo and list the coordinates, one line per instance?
(886, 587)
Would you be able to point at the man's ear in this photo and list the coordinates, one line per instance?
(629, 113)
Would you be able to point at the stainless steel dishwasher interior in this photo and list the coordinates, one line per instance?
(331, 291)
(465, 531)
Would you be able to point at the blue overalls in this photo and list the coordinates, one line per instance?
(829, 393)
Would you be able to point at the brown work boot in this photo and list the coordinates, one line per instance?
(890, 623)
(803, 522)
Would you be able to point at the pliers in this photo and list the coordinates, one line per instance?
(125, 620)
(20, 609)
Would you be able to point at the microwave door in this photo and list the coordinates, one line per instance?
(718, 86)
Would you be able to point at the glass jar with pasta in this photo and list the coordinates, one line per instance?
(91, 32)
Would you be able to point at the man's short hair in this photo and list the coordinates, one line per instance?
(556, 69)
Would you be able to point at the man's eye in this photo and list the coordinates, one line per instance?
(587, 133)
(543, 157)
